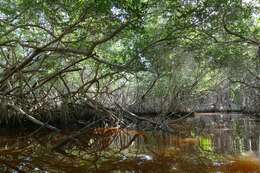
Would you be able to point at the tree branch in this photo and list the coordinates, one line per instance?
(32, 119)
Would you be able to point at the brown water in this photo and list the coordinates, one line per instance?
(206, 143)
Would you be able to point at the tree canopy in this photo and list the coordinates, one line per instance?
(66, 51)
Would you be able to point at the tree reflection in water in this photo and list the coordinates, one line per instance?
(232, 148)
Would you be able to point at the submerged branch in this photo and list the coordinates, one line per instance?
(71, 137)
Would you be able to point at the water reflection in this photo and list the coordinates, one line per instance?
(210, 144)
(231, 135)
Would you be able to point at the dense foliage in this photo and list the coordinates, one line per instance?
(67, 51)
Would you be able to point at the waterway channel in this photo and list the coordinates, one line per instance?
(219, 143)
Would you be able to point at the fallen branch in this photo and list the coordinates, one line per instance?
(182, 117)
(32, 119)
(161, 126)
(137, 117)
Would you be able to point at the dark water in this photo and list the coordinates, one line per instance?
(206, 143)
